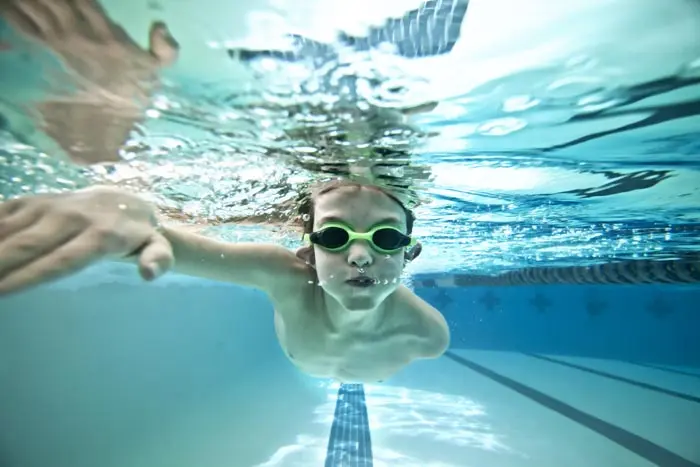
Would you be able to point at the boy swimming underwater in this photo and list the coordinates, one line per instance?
(340, 310)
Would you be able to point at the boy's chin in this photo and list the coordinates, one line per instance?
(360, 304)
(363, 301)
(359, 299)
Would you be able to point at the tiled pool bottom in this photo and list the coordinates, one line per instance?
(349, 443)
(531, 410)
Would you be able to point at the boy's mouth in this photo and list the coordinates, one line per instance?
(361, 281)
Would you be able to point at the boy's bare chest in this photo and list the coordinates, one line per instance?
(352, 354)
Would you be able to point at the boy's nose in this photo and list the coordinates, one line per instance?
(359, 254)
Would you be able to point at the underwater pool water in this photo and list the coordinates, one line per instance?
(550, 153)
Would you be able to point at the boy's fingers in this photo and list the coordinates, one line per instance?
(155, 258)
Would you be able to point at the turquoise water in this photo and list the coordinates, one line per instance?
(190, 373)
(526, 136)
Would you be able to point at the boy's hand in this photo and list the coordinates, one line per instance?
(48, 236)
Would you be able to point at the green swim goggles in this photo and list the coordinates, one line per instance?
(337, 237)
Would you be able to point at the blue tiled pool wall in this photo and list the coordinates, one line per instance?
(653, 324)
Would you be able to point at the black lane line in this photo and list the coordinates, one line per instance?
(668, 370)
(633, 382)
(350, 444)
(657, 455)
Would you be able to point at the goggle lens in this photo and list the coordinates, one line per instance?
(332, 238)
(389, 239)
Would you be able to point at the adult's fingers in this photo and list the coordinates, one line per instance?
(92, 17)
(28, 245)
(67, 258)
(10, 207)
(56, 13)
(16, 222)
(30, 17)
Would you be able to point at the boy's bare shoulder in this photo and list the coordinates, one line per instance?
(428, 325)
(289, 278)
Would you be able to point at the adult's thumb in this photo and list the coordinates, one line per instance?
(155, 258)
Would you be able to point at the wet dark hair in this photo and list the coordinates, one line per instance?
(307, 203)
(307, 206)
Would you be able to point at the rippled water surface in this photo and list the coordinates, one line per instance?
(524, 133)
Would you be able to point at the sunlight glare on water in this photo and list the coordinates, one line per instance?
(456, 421)
(524, 133)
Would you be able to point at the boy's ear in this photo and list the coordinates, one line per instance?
(413, 252)
(306, 254)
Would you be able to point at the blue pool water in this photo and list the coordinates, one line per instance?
(538, 143)
(189, 372)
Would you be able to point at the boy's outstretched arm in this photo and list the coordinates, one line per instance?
(45, 237)
(267, 267)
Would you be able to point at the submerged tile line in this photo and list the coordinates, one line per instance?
(666, 369)
(652, 452)
(349, 444)
(622, 379)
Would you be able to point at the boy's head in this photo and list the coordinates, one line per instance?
(359, 208)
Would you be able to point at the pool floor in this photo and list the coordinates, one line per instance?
(479, 408)
(158, 379)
